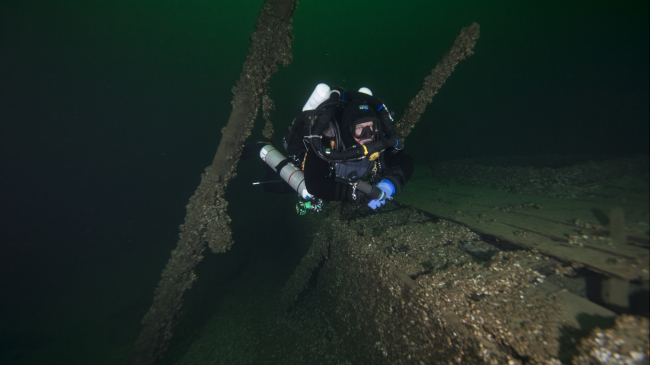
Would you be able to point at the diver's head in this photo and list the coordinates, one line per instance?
(360, 123)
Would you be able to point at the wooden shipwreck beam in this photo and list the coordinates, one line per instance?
(206, 220)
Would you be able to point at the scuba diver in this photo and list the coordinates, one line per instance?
(342, 147)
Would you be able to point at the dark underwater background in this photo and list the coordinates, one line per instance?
(110, 111)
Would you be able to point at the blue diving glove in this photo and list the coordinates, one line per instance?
(388, 189)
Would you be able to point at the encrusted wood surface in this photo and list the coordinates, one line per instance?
(572, 230)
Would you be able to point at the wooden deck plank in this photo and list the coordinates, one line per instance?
(547, 224)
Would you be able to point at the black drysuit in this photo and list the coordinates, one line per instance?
(397, 168)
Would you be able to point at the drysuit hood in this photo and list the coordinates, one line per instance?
(357, 112)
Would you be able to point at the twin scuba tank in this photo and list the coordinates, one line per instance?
(322, 93)
(290, 173)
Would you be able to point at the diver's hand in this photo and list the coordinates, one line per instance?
(388, 189)
(374, 204)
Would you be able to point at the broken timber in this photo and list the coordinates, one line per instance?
(207, 220)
